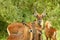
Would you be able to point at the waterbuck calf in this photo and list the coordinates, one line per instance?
(50, 32)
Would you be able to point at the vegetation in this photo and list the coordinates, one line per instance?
(22, 10)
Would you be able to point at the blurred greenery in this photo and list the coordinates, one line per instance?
(22, 10)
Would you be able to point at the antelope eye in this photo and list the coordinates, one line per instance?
(30, 30)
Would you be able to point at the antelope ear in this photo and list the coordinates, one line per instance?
(35, 14)
(44, 15)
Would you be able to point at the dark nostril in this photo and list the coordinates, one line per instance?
(39, 20)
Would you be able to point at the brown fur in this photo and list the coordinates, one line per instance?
(39, 25)
(18, 28)
(38, 31)
(14, 28)
(50, 32)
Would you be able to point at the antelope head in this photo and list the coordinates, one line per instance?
(48, 24)
(40, 17)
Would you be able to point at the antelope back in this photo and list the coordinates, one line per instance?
(14, 27)
(18, 29)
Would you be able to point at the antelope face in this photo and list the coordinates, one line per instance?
(40, 19)
(39, 22)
